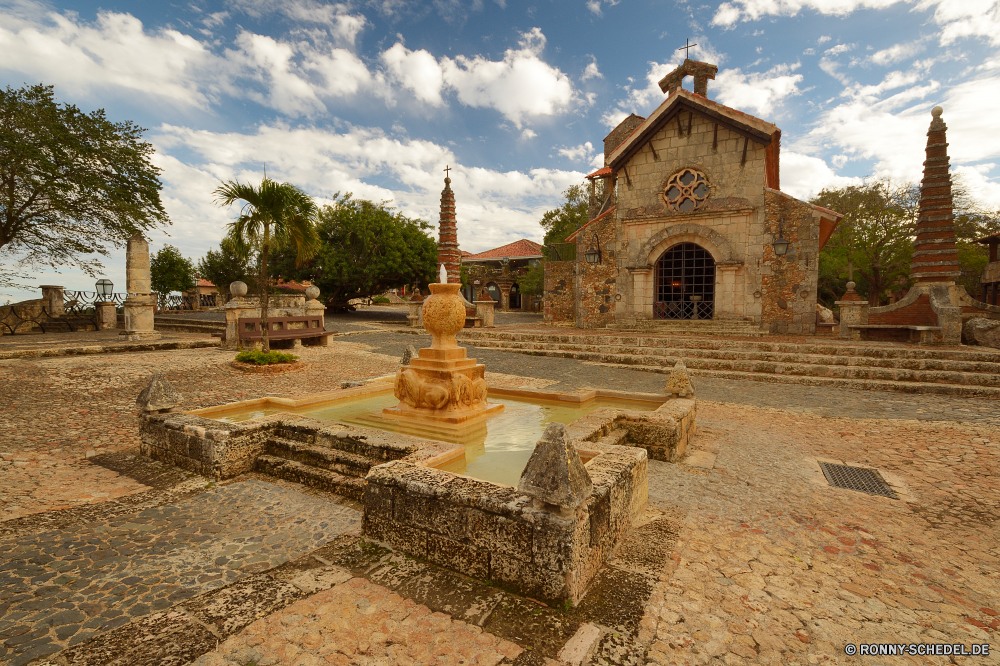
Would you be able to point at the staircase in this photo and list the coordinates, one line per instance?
(293, 454)
(179, 325)
(699, 327)
(887, 367)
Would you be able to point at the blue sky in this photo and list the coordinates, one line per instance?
(375, 98)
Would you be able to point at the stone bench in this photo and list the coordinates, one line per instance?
(285, 328)
(924, 335)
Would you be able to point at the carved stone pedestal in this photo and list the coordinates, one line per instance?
(442, 385)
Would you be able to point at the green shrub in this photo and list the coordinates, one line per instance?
(260, 358)
(381, 299)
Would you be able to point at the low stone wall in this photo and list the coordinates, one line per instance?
(664, 433)
(499, 534)
(221, 450)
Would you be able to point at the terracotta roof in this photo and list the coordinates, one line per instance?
(572, 237)
(202, 282)
(294, 286)
(761, 130)
(466, 254)
(603, 171)
(522, 249)
(986, 240)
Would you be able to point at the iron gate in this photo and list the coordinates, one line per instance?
(685, 283)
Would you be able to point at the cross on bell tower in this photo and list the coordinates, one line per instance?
(687, 48)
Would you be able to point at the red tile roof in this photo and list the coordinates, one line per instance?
(603, 171)
(466, 254)
(202, 282)
(521, 249)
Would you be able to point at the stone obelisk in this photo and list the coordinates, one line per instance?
(138, 304)
(935, 257)
(448, 252)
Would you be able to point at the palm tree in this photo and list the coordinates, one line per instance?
(272, 215)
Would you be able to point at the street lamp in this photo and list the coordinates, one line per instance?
(593, 255)
(780, 244)
(105, 289)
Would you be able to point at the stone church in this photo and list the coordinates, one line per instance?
(688, 222)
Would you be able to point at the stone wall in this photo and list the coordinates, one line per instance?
(789, 283)
(496, 533)
(663, 433)
(560, 293)
(595, 283)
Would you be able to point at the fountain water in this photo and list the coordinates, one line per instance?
(442, 386)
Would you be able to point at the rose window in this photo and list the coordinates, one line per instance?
(686, 191)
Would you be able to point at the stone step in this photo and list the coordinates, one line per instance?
(335, 460)
(189, 326)
(324, 479)
(954, 390)
(680, 342)
(753, 369)
(670, 355)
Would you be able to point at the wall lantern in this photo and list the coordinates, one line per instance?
(593, 255)
(505, 261)
(105, 289)
(780, 244)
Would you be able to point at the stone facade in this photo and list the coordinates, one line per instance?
(560, 292)
(735, 215)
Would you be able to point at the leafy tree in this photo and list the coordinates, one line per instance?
(71, 183)
(224, 266)
(274, 215)
(563, 221)
(170, 271)
(875, 237)
(533, 282)
(365, 249)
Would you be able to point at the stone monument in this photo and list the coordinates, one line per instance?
(442, 385)
(138, 304)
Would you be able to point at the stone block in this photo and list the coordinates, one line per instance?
(499, 534)
(468, 559)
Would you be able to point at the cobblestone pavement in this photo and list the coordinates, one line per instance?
(359, 623)
(773, 565)
(60, 587)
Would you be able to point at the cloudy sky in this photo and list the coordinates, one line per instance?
(375, 98)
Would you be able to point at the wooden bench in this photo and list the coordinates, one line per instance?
(298, 329)
(924, 335)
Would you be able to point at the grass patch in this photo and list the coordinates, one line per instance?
(381, 299)
(270, 358)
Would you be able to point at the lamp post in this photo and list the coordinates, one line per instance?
(593, 255)
(105, 289)
(780, 244)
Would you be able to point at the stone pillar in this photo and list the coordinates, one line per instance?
(53, 297)
(234, 308)
(313, 308)
(853, 312)
(107, 316)
(484, 311)
(195, 296)
(139, 303)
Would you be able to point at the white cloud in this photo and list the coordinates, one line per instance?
(957, 18)
(640, 99)
(824, 39)
(591, 71)
(343, 26)
(113, 51)
(528, 134)
(838, 49)
(803, 176)
(520, 85)
(896, 53)
(578, 153)
(493, 207)
(594, 6)
(417, 71)
(981, 189)
(760, 92)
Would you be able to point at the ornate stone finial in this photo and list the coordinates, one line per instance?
(238, 289)
(554, 473)
(158, 396)
(312, 292)
(679, 383)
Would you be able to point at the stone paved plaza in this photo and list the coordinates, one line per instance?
(101, 551)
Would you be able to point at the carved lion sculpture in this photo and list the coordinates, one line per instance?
(462, 389)
(479, 389)
(416, 392)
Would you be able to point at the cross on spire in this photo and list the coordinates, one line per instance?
(446, 170)
(687, 48)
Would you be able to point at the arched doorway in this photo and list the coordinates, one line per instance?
(515, 297)
(494, 291)
(685, 283)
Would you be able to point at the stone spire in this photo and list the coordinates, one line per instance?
(935, 258)
(448, 252)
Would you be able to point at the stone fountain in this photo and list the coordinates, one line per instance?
(441, 385)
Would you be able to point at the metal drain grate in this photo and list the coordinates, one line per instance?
(857, 478)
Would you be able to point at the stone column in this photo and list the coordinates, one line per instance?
(53, 297)
(234, 308)
(313, 308)
(484, 311)
(195, 296)
(107, 316)
(853, 312)
(139, 303)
